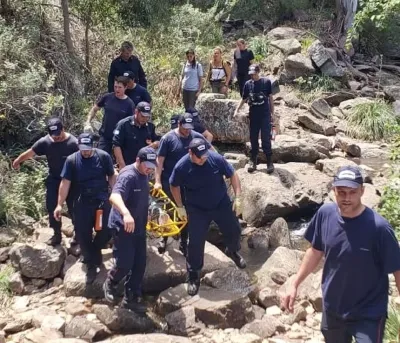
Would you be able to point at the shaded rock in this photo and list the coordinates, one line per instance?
(323, 60)
(291, 100)
(393, 92)
(4, 254)
(259, 312)
(287, 46)
(298, 65)
(299, 314)
(151, 338)
(212, 306)
(7, 237)
(183, 322)
(42, 336)
(321, 109)
(38, 282)
(289, 189)
(122, 320)
(231, 280)
(325, 127)
(354, 85)
(337, 112)
(39, 261)
(387, 78)
(348, 146)
(16, 283)
(259, 240)
(264, 328)
(17, 325)
(368, 92)
(217, 116)
(278, 277)
(330, 167)
(237, 160)
(80, 327)
(70, 260)
(268, 297)
(67, 228)
(348, 105)
(338, 97)
(279, 234)
(279, 33)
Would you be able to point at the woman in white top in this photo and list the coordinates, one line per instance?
(191, 81)
(219, 73)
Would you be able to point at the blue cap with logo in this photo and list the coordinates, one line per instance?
(175, 120)
(86, 141)
(192, 111)
(129, 74)
(348, 176)
(144, 108)
(186, 121)
(54, 126)
(199, 147)
(148, 156)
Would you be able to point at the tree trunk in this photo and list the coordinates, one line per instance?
(345, 12)
(87, 46)
(67, 32)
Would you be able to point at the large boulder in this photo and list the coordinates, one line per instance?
(330, 167)
(336, 98)
(287, 46)
(393, 92)
(292, 187)
(151, 338)
(264, 328)
(283, 32)
(217, 115)
(348, 105)
(162, 271)
(80, 327)
(279, 234)
(323, 60)
(212, 306)
(38, 261)
(321, 109)
(321, 126)
(183, 322)
(349, 146)
(298, 65)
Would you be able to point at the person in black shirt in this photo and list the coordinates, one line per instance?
(134, 91)
(56, 146)
(132, 134)
(257, 92)
(242, 59)
(126, 61)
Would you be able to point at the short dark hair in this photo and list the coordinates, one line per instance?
(123, 79)
(126, 45)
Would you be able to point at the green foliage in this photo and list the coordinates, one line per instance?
(392, 327)
(371, 121)
(306, 43)
(312, 87)
(259, 45)
(5, 290)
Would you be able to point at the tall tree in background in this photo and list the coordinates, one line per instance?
(67, 31)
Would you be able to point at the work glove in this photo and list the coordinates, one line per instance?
(237, 207)
(181, 213)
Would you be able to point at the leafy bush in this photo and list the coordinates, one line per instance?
(312, 87)
(306, 43)
(371, 121)
(5, 291)
(259, 45)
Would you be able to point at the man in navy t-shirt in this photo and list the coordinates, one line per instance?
(136, 92)
(128, 217)
(56, 146)
(88, 173)
(200, 174)
(257, 92)
(360, 250)
(198, 125)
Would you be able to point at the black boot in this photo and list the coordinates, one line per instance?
(270, 165)
(183, 247)
(193, 283)
(162, 245)
(110, 291)
(253, 165)
(133, 303)
(91, 273)
(56, 239)
(237, 258)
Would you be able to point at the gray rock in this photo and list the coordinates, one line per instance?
(237, 160)
(268, 297)
(4, 254)
(39, 261)
(41, 336)
(66, 340)
(53, 323)
(151, 338)
(396, 108)
(16, 283)
(285, 33)
(298, 65)
(279, 234)
(368, 92)
(212, 306)
(323, 60)
(17, 325)
(373, 151)
(38, 315)
(259, 312)
(324, 141)
(392, 92)
(347, 105)
(264, 328)
(7, 236)
(76, 309)
(354, 85)
(325, 127)
(38, 282)
(121, 320)
(80, 327)
(321, 109)
(299, 314)
(287, 46)
(183, 322)
(291, 100)
(336, 98)
(231, 280)
(259, 240)
(68, 263)
(348, 146)
(67, 227)
(330, 167)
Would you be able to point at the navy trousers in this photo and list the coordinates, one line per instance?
(260, 122)
(198, 224)
(85, 216)
(52, 186)
(106, 145)
(130, 260)
(242, 78)
(337, 330)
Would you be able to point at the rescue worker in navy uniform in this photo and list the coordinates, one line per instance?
(132, 134)
(200, 173)
(126, 62)
(173, 146)
(134, 91)
(56, 146)
(130, 200)
(257, 92)
(198, 125)
(88, 173)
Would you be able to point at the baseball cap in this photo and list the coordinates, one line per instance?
(85, 141)
(148, 156)
(254, 68)
(199, 147)
(348, 176)
(175, 120)
(144, 108)
(129, 74)
(54, 126)
(192, 111)
(186, 121)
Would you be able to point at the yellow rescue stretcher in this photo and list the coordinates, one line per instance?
(171, 225)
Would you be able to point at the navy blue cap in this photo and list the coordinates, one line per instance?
(254, 69)
(129, 74)
(199, 147)
(54, 126)
(144, 108)
(348, 176)
(186, 121)
(175, 120)
(148, 156)
(192, 111)
(85, 141)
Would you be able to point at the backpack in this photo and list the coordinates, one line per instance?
(224, 66)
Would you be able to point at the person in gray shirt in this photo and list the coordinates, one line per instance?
(191, 81)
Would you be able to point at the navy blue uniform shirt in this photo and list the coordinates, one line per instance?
(263, 85)
(204, 186)
(131, 138)
(243, 63)
(118, 67)
(198, 125)
(55, 152)
(134, 190)
(88, 176)
(138, 94)
(359, 254)
(173, 147)
(114, 110)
